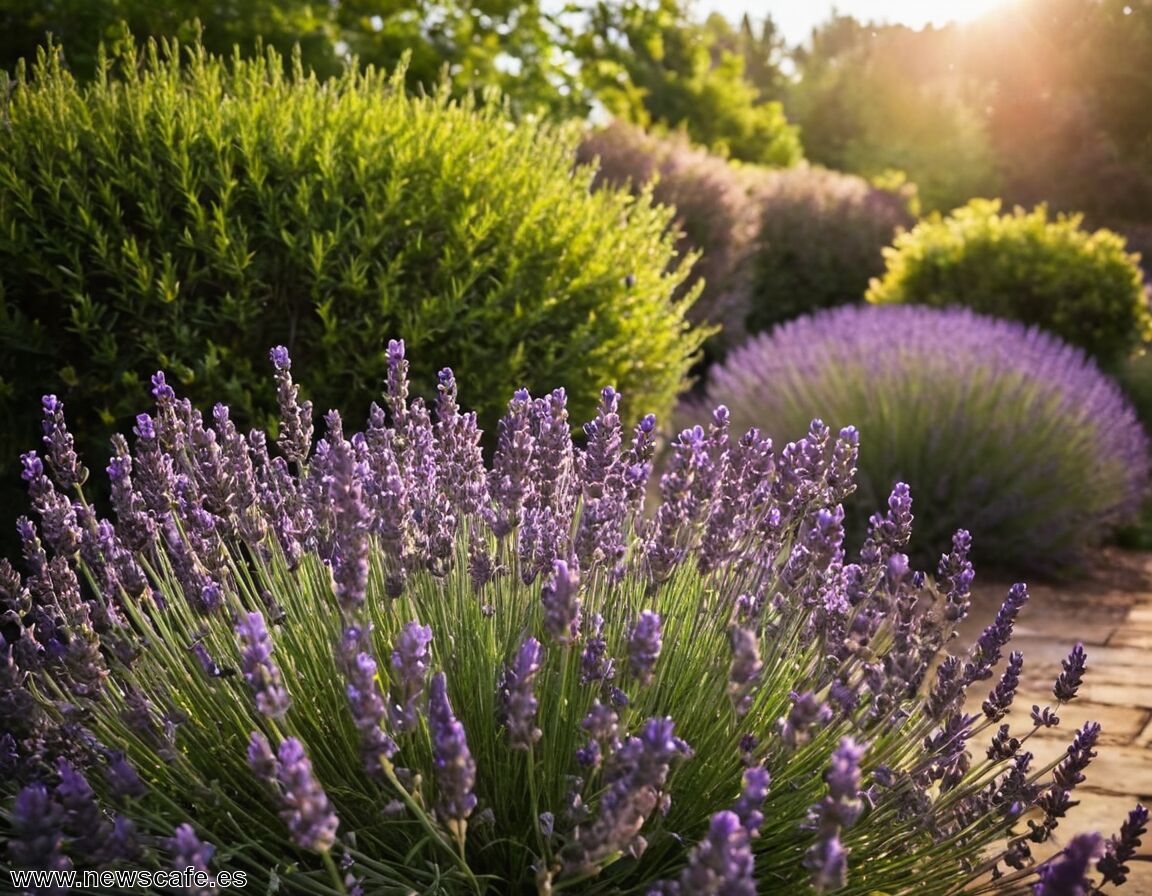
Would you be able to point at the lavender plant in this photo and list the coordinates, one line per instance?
(378, 666)
(999, 428)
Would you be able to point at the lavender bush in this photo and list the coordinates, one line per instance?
(1000, 428)
(379, 666)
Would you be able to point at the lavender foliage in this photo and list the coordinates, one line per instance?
(1018, 436)
(627, 680)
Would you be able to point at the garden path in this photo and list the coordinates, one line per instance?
(1110, 611)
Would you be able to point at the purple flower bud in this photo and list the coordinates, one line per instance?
(1069, 681)
(307, 812)
(1044, 718)
(261, 673)
(1069, 772)
(455, 768)
(517, 699)
(807, 712)
(37, 839)
(826, 858)
(123, 780)
(644, 642)
(410, 661)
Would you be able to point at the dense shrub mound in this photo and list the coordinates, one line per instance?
(819, 241)
(1004, 428)
(772, 244)
(188, 212)
(381, 667)
(1023, 266)
(716, 211)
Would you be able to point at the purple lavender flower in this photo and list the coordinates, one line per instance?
(594, 664)
(61, 447)
(722, 863)
(261, 673)
(37, 839)
(518, 702)
(1068, 682)
(745, 669)
(307, 812)
(1066, 873)
(636, 773)
(1080, 752)
(560, 597)
(1000, 699)
(410, 663)
(644, 642)
(189, 851)
(455, 768)
(1122, 847)
(295, 440)
(123, 780)
(350, 551)
(840, 808)
(807, 712)
(261, 759)
(368, 711)
(748, 807)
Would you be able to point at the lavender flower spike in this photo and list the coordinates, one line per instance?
(307, 812)
(295, 416)
(1119, 849)
(561, 603)
(189, 851)
(1069, 681)
(748, 807)
(827, 858)
(260, 672)
(517, 699)
(644, 644)
(410, 660)
(722, 863)
(61, 448)
(455, 768)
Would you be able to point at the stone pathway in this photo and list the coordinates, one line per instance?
(1110, 611)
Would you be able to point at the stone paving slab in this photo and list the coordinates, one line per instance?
(1110, 612)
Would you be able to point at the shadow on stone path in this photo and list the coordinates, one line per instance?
(1110, 612)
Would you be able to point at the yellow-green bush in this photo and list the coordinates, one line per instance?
(185, 212)
(1024, 266)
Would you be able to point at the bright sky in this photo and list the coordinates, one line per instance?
(796, 18)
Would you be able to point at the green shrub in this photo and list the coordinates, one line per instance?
(819, 243)
(1022, 266)
(185, 212)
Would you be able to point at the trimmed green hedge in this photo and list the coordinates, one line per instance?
(185, 212)
(1083, 286)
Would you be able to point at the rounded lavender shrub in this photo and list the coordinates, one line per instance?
(998, 428)
(381, 667)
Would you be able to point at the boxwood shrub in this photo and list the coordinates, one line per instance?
(1084, 286)
(186, 211)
